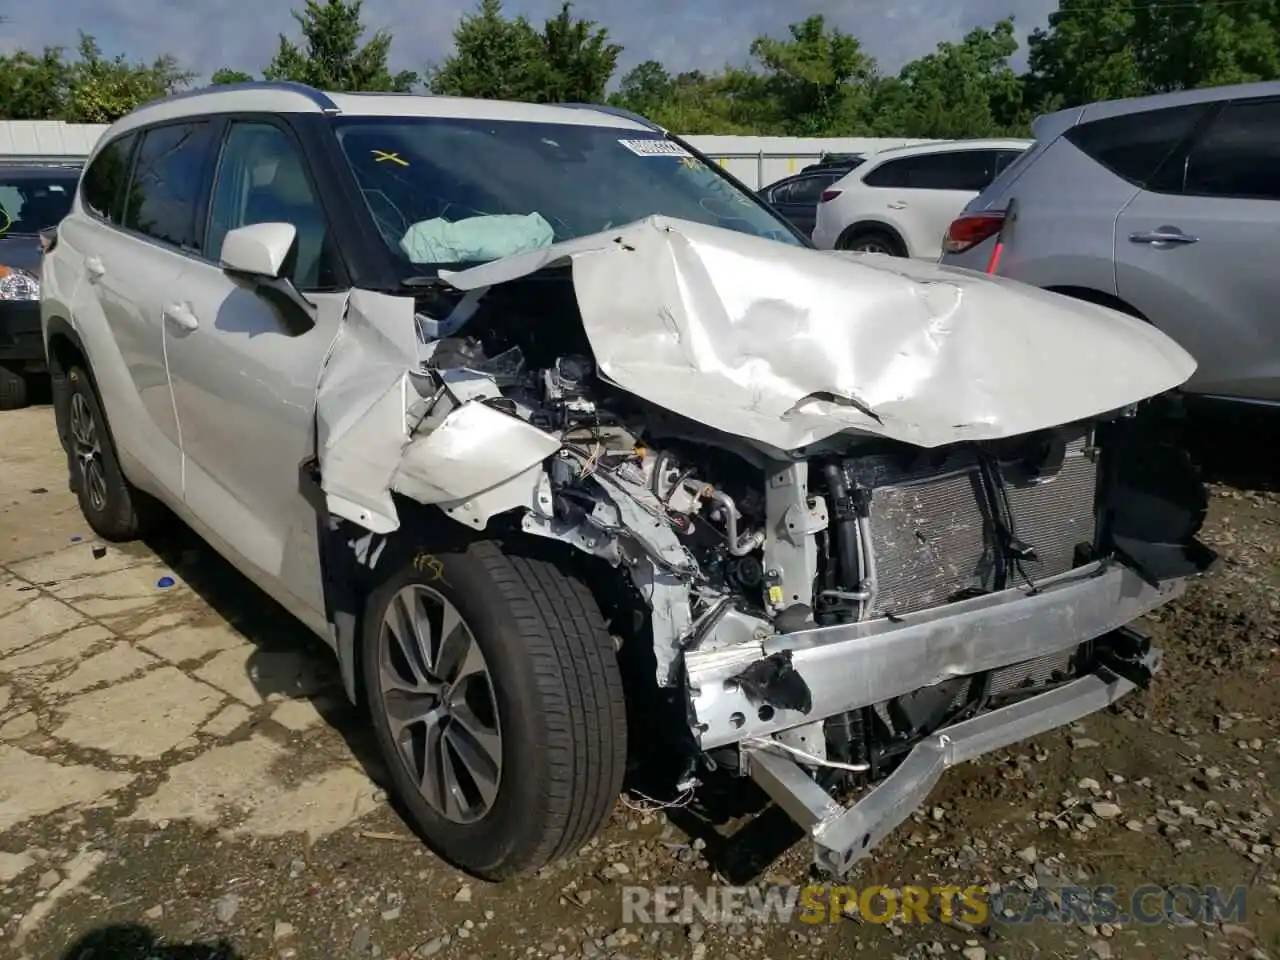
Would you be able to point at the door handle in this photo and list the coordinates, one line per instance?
(897, 205)
(1162, 236)
(95, 268)
(180, 314)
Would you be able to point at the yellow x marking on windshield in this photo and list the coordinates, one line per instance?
(380, 155)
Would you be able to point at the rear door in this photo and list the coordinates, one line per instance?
(142, 197)
(1196, 250)
(924, 193)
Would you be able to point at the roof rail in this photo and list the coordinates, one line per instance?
(614, 112)
(318, 97)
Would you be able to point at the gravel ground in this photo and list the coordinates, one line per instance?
(180, 778)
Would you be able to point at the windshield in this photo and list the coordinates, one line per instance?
(31, 201)
(445, 191)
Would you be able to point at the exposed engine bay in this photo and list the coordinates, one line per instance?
(834, 610)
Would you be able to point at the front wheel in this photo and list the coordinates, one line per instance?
(496, 697)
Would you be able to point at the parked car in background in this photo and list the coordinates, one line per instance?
(796, 197)
(901, 200)
(33, 197)
(1166, 208)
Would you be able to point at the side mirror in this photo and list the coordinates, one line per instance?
(263, 254)
(259, 250)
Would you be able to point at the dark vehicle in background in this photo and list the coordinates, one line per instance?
(33, 197)
(796, 197)
(1166, 208)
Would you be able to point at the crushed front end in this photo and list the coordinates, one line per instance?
(821, 576)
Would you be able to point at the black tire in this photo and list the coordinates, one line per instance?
(881, 240)
(13, 388)
(553, 671)
(119, 511)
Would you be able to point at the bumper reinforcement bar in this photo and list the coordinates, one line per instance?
(841, 835)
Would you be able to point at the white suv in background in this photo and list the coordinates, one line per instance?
(901, 201)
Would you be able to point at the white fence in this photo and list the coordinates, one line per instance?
(755, 161)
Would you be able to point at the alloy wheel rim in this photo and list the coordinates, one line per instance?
(88, 452)
(438, 699)
(870, 246)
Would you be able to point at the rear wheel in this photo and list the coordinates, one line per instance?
(114, 508)
(872, 241)
(497, 701)
(13, 388)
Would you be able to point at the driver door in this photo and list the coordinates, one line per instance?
(244, 377)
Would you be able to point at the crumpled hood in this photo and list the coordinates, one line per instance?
(788, 345)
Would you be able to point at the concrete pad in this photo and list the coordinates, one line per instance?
(76, 872)
(32, 786)
(228, 720)
(141, 718)
(49, 657)
(130, 590)
(60, 520)
(186, 643)
(73, 561)
(297, 715)
(23, 725)
(117, 662)
(5, 693)
(13, 865)
(239, 779)
(147, 626)
(34, 617)
(251, 675)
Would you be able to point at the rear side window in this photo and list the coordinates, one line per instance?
(168, 185)
(102, 187)
(1239, 154)
(1134, 145)
(810, 189)
(968, 170)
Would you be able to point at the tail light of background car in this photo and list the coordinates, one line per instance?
(828, 195)
(970, 229)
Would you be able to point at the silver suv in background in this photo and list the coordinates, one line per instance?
(1166, 208)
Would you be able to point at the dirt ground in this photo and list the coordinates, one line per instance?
(180, 777)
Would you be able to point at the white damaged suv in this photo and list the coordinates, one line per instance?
(566, 444)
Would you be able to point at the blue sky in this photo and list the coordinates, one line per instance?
(207, 34)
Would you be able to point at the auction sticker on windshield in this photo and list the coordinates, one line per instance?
(653, 147)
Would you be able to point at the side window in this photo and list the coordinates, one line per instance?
(894, 173)
(262, 179)
(810, 189)
(168, 182)
(102, 186)
(781, 193)
(1134, 145)
(969, 170)
(1003, 159)
(1239, 155)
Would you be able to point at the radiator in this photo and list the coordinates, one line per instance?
(931, 529)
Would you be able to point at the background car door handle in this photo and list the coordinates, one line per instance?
(181, 314)
(1162, 236)
(94, 267)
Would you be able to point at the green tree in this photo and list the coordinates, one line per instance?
(102, 90)
(570, 59)
(578, 58)
(331, 56)
(34, 86)
(493, 57)
(817, 79)
(1088, 52)
(226, 75)
(964, 89)
(644, 89)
